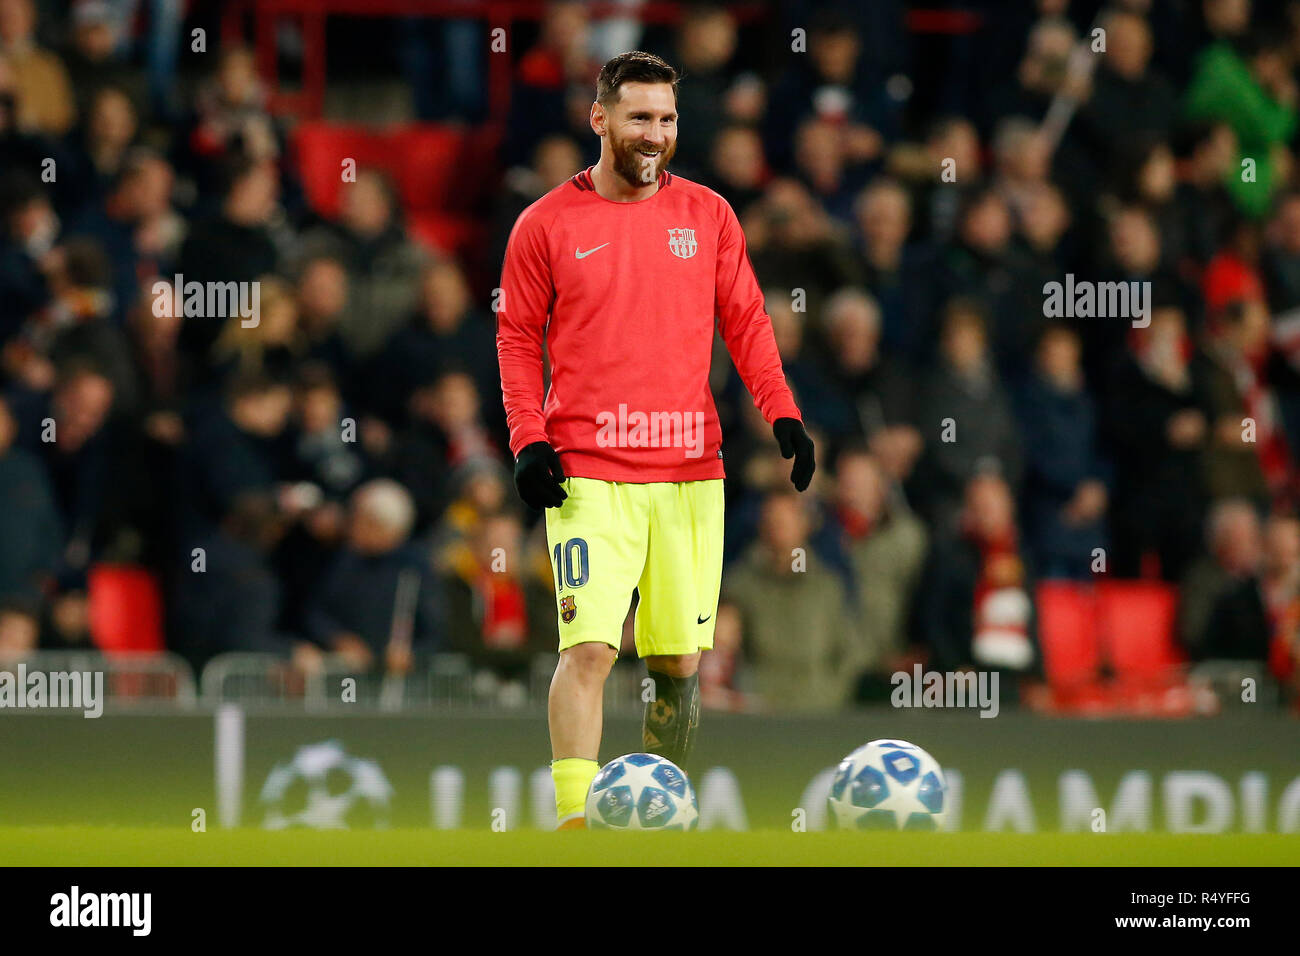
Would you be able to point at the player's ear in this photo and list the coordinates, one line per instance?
(598, 118)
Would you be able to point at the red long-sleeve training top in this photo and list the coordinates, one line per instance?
(625, 296)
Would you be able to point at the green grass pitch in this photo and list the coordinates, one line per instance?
(144, 846)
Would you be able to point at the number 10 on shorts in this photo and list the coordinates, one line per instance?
(571, 564)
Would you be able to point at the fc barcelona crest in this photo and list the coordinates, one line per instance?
(681, 242)
(567, 610)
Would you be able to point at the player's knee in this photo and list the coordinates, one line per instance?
(674, 665)
(589, 663)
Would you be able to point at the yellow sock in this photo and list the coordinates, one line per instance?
(572, 776)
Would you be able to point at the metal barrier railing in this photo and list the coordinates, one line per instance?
(267, 680)
(163, 680)
(84, 680)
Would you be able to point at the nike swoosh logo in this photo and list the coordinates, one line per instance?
(583, 255)
(701, 620)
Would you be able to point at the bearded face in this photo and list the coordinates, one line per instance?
(642, 131)
(638, 161)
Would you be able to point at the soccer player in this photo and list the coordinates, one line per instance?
(622, 272)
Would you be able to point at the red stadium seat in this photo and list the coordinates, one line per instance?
(424, 162)
(1125, 628)
(434, 168)
(1136, 620)
(125, 609)
(321, 149)
(1067, 633)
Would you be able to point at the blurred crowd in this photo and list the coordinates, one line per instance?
(336, 478)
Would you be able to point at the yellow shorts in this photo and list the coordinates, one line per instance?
(662, 538)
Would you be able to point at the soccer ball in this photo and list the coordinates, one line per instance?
(641, 792)
(888, 785)
(324, 788)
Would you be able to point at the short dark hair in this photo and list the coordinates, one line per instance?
(250, 383)
(634, 66)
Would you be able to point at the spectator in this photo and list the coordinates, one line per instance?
(445, 329)
(268, 343)
(822, 164)
(1248, 84)
(382, 263)
(30, 536)
(93, 61)
(105, 141)
(69, 432)
(1129, 99)
(378, 605)
(794, 244)
(446, 428)
(136, 226)
(230, 119)
(1158, 423)
(233, 246)
(880, 546)
(782, 589)
(1222, 614)
(977, 610)
(871, 396)
(44, 92)
(1065, 494)
(1206, 155)
(235, 450)
(737, 168)
(500, 600)
(1022, 162)
(1133, 253)
(31, 227)
(158, 367)
(706, 43)
(1280, 588)
(1247, 453)
(943, 173)
(804, 375)
(1280, 261)
(893, 269)
(986, 265)
(833, 83)
(965, 420)
(233, 602)
(80, 321)
(545, 74)
(322, 297)
(326, 449)
(481, 488)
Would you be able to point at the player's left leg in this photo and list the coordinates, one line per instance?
(675, 618)
(673, 714)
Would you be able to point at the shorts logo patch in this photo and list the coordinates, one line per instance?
(567, 609)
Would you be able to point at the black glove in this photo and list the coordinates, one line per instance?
(794, 441)
(538, 475)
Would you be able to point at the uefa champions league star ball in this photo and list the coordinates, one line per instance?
(641, 792)
(888, 785)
